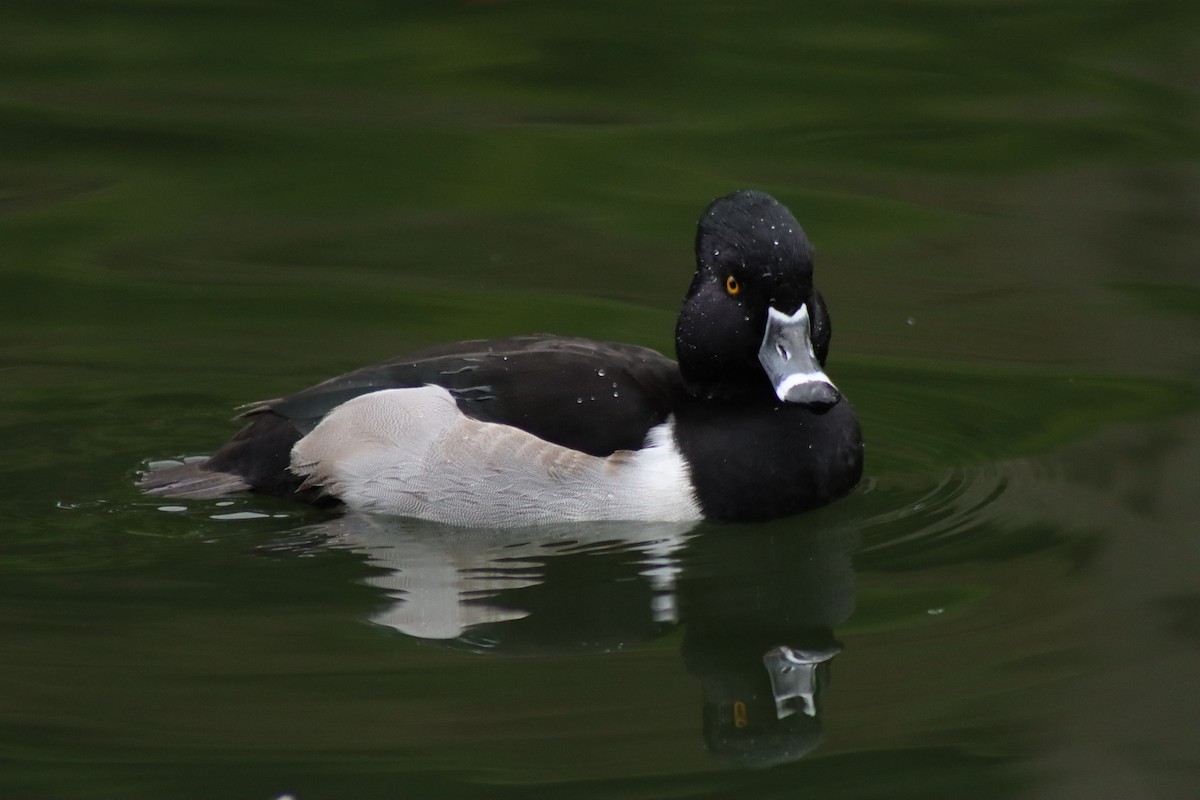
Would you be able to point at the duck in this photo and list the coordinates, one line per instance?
(744, 425)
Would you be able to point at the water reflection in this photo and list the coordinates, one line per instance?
(757, 606)
(550, 588)
(760, 610)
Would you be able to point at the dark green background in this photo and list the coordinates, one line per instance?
(207, 203)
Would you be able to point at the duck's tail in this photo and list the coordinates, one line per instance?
(190, 479)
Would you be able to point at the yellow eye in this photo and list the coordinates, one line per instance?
(732, 286)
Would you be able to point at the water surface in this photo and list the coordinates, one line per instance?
(203, 205)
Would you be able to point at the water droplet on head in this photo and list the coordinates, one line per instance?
(600, 372)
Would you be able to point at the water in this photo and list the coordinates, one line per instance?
(206, 205)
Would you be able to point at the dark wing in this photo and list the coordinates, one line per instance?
(596, 397)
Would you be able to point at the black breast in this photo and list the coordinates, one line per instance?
(762, 460)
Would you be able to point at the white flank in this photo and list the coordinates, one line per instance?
(411, 452)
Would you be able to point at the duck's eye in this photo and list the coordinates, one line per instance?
(732, 286)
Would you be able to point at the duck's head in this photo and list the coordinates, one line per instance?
(752, 323)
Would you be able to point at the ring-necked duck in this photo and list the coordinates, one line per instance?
(539, 429)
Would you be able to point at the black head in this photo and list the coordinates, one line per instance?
(751, 256)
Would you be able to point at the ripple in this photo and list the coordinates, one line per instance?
(954, 461)
(960, 514)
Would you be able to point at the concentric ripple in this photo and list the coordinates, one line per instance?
(958, 463)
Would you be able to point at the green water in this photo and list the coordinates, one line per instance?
(205, 204)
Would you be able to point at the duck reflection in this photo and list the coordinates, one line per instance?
(760, 611)
(758, 607)
(552, 588)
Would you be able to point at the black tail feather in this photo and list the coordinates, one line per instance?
(191, 480)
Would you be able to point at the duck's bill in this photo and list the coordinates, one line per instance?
(787, 357)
